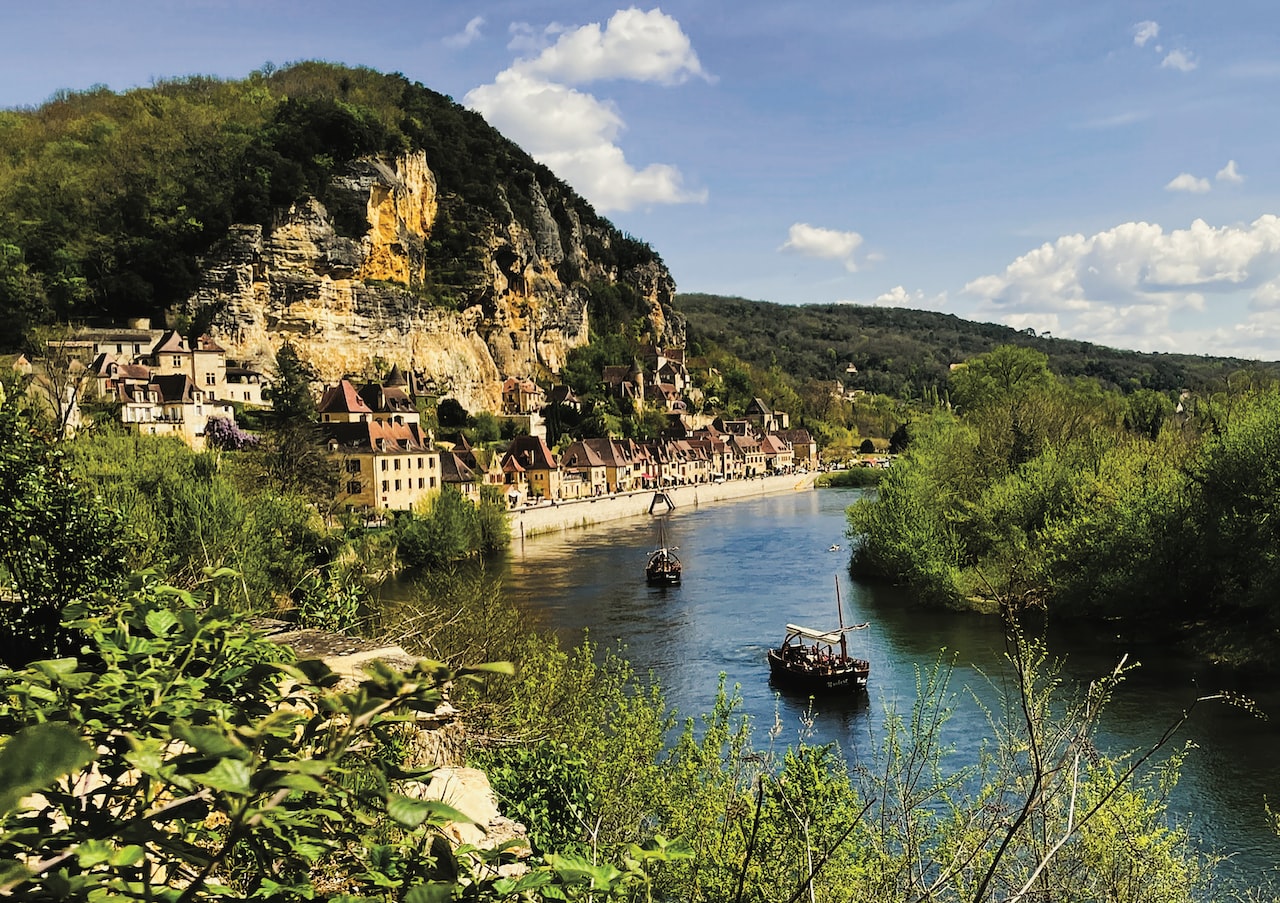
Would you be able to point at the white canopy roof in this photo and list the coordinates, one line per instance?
(830, 637)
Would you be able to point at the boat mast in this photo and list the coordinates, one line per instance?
(844, 644)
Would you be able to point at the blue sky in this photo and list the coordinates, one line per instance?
(1105, 171)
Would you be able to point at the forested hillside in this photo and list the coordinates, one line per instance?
(108, 201)
(908, 353)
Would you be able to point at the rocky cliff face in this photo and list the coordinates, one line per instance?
(349, 303)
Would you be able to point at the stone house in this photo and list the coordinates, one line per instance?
(205, 362)
(521, 395)
(778, 456)
(585, 473)
(385, 464)
(804, 449)
(529, 461)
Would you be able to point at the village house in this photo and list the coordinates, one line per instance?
(245, 385)
(521, 395)
(625, 383)
(585, 473)
(385, 465)
(778, 456)
(168, 405)
(714, 452)
(765, 419)
(532, 469)
(804, 449)
(389, 401)
(667, 365)
(205, 362)
(456, 473)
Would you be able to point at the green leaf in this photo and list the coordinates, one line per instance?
(37, 756)
(410, 812)
(62, 671)
(161, 622)
(93, 852)
(127, 856)
(209, 741)
(228, 775)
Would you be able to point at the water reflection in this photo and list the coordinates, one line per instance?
(752, 566)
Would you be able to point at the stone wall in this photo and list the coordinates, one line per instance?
(550, 517)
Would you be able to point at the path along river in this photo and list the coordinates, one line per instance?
(753, 565)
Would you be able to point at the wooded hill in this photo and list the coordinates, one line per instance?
(908, 353)
(108, 200)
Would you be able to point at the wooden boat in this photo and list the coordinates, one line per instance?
(663, 567)
(818, 661)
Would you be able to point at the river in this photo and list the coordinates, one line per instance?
(750, 566)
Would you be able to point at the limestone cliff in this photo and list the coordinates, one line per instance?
(350, 303)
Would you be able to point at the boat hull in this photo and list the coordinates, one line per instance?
(831, 679)
(663, 578)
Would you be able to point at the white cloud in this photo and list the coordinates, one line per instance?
(1229, 173)
(576, 133)
(1182, 60)
(898, 296)
(1144, 32)
(469, 34)
(636, 45)
(1125, 286)
(1266, 296)
(1187, 182)
(827, 244)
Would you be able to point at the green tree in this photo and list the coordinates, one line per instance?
(58, 542)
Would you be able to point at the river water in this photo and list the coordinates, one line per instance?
(751, 566)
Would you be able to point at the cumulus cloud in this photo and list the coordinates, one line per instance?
(1124, 286)
(827, 244)
(574, 132)
(1229, 173)
(1144, 32)
(1187, 182)
(469, 34)
(1266, 296)
(898, 296)
(640, 46)
(1182, 60)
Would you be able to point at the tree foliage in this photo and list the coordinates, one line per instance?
(108, 201)
(58, 541)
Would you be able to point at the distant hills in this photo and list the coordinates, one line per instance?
(906, 353)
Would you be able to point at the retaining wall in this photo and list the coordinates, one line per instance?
(550, 517)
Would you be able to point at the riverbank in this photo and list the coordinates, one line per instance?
(551, 517)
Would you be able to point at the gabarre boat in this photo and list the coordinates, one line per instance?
(663, 566)
(818, 661)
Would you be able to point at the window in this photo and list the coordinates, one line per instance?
(384, 463)
(210, 379)
(353, 487)
(433, 482)
(421, 482)
(397, 485)
(177, 361)
(353, 465)
(419, 464)
(397, 463)
(384, 485)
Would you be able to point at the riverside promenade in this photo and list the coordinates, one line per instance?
(568, 515)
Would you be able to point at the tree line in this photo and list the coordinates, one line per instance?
(1154, 508)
